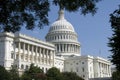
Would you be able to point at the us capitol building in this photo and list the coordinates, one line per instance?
(61, 49)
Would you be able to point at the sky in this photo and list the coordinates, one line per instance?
(93, 31)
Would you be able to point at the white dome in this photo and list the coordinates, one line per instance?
(63, 35)
(61, 25)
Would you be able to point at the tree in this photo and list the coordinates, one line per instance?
(85, 6)
(54, 74)
(4, 75)
(31, 13)
(14, 74)
(33, 72)
(116, 75)
(71, 76)
(114, 41)
(16, 13)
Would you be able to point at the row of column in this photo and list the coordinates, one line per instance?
(68, 48)
(35, 55)
(57, 37)
(104, 70)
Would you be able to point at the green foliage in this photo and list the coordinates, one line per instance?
(14, 74)
(34, 72)
(116, 75)
(71, 76)
(85, 6)
(54, 74)
(114, 41)
(15, 14)
(4, 75)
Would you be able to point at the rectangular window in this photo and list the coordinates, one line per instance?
(77, 69)
(83, 69)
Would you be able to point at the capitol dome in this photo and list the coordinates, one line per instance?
(61, 25)
(63, 35)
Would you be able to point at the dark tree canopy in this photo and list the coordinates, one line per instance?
(4, 75)
(71, 76)
(85, 6)
(15, 14)
(54, 74)
(33, 72)
(116, 75)
(14, 74)
(114, 41)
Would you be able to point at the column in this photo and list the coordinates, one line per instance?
(72, 48)
(107, 71)
(32, 54)
(47, 56)
(43, 56)
(40, 58)
(78, 49)
(36, 52)
(14, 50)
(68, 47)
(63, 48)
(50, 58)
(99, 69)
(28, 49)
(19, 47)
(24, 52)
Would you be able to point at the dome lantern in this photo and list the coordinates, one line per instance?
(61, 14)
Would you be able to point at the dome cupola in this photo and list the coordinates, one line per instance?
(61, 24)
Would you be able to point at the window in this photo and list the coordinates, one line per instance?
(43, 69)
(83, 75)
(46, 69)
(76, 63)
(71, 70)
(77, 70)
(22, 66)
(83, 69)
(26, 66)
(82, 62)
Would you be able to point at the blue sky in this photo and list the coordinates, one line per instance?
(93, 31)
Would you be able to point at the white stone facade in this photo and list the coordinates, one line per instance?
(102, 67)
(61, 49)
(21, 50)
(59, 63)
(88, 66)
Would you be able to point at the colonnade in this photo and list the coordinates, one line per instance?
(67, 48)
(61, 37)
(104, 70)
(33, 54)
